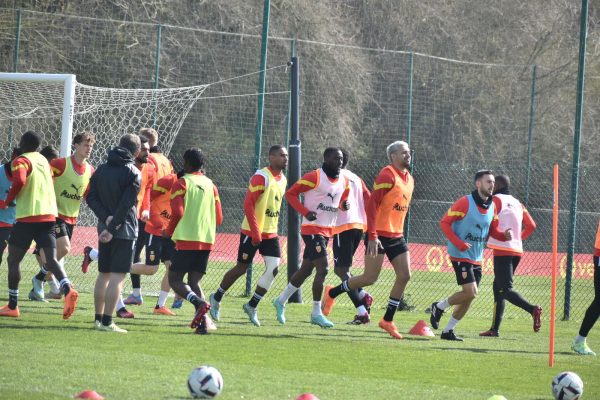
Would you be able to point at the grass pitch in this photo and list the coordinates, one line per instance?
(45, 357)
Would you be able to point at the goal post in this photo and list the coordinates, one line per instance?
(68, 83)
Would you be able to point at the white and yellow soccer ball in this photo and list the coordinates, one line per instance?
(567, 386)
(205, 382)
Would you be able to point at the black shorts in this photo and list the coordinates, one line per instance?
(247, 251)
(159, 249)
(24, 232)
(4, 235)
(62, 229)
(185, 261)
(392, 247)
(115, 256)
(315, 247)
(344, 246)
(466, 272)
(141, 241)
(504, 269)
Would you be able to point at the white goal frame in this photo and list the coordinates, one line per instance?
(69, 82)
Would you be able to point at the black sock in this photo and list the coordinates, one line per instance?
(98, 317)
(136, 282)
(13, 298)
(591, 316)
(515, 298)
(256, 298)
(106, 320)
(65, 286)
(218, 295)
(353, 294)
(499, 306)
(339, 289)
(391, 309)
(41, 276)
(195, 300)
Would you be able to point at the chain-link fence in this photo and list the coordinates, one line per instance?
(458, 117)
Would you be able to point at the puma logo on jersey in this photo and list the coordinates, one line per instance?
(76, 188)
(332, 196)
(200, 187)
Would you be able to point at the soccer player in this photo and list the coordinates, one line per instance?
(511, 214)
(158, 248)
(467, 225)
(196, 212)
(71, 181)
(592, 314)
(386, 212)
(35, 220)
(348, 233)
(161, 166)
(259, 232)
(7, 215)
(325, 191)
(112, 197)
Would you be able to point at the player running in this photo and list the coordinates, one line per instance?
(259, 232)
(161, 167)
(196, 212)
(511, 214)
(325, 191)
(348, 233)
(467, 225)
(592, 314)
(386, 212)
(71, 183)
(36, 212)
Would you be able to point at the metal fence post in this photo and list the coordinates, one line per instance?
(15, 65)
(286, 139)
(294, 174)
(530, 131)
(156, 68)
(261, 108)
(409, 128)
(576, 148)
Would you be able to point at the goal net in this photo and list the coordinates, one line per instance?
(57, 107)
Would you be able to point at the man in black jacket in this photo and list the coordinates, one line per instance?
(112, 197)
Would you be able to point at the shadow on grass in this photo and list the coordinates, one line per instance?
(508, 351)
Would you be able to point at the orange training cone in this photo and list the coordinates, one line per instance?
(421, 329)
(89, 394)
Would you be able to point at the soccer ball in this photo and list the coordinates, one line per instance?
(567, 386)
(205, 382)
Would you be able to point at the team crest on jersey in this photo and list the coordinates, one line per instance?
(152, 255)
(244, 256)
(318, 249)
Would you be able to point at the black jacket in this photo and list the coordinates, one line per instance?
(113, 191)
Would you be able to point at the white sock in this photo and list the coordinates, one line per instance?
(579, 339)
(162, 298)
(53, 284)
(120, 303)
(137, 292)
(316, 308)
(451, 324)
(94, 254)
(287, 293)
(361, 310)
(443, 304)
(362, 294)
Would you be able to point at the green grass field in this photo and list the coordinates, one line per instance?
(48, 358)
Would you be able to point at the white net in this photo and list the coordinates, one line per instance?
(108, 113)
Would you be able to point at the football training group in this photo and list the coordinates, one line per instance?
(140, 202)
